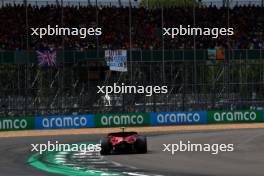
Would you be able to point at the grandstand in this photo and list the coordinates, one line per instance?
(194, 81)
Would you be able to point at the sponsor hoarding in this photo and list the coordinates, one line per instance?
(136, 119)
(64, 122)
(16, 123)
(239, 116)
(115, 120)
(173, 118)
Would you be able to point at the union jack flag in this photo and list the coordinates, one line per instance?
(47, 58)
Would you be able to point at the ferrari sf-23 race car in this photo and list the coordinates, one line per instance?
(123, 142)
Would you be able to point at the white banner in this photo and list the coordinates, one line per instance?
(116, 60)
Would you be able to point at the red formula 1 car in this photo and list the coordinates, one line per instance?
(123, 142)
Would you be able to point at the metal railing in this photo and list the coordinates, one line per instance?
(32, 90)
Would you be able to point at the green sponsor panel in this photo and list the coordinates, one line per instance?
(16, 123)
(116, 120)
(238, 116)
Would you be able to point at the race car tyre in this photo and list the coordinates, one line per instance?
(141, 144)
(105, 146)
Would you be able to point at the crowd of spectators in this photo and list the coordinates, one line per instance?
(122, 27)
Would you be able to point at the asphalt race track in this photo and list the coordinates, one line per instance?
(246, 160)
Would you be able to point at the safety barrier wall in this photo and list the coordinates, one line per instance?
(115, 120)
(132, 119)
(177, 118)
(17, 123)
(64, 122)
(242, 116)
